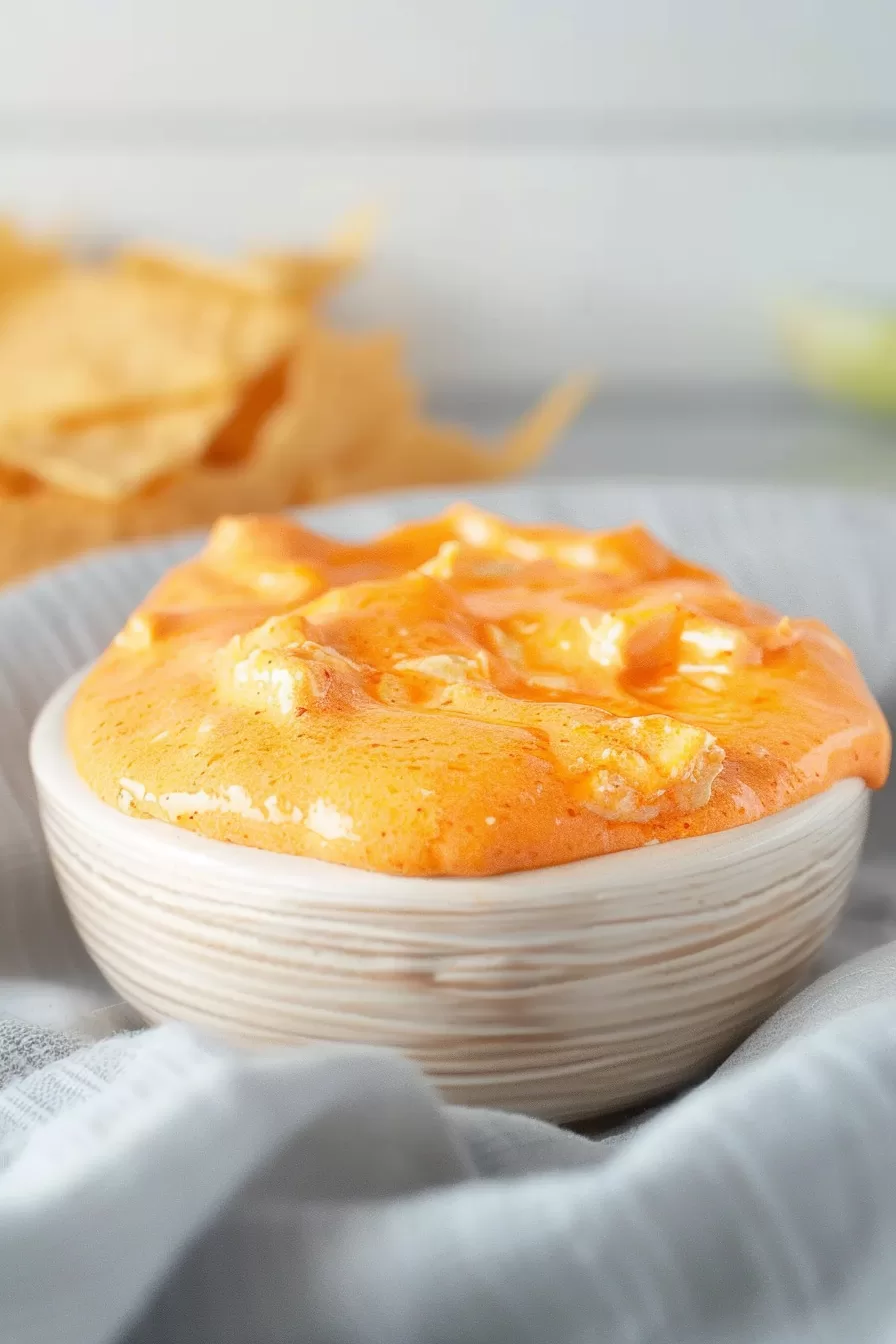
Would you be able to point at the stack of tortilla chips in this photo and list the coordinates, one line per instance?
(150, 392)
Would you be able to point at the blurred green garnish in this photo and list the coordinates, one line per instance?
(846, 352)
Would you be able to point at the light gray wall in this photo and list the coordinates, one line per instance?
(625, 184)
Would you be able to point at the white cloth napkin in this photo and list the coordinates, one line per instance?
(162, 1187)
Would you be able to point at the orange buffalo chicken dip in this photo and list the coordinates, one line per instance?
(464, 696)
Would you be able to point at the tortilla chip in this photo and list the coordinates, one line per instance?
(91, 342)
(391, 446)
(236, 438)
(531, 437)
(151, 393)
(340, 392)
(282, 469)
(24, 262)
(296, 277)
(115, 458)
(16, 482)
(306, 277)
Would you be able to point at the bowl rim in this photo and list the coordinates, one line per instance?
(57, 779)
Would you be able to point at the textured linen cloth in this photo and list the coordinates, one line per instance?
(203, 1194)
(159, 1186)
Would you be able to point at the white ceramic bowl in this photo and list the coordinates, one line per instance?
(564, 992)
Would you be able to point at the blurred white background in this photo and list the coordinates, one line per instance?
(630, 187)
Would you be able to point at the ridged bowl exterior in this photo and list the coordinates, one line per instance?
(564, 992)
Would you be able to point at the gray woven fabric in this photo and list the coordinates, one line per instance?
(209, 1194)
(25, 1048)
(158, 1187)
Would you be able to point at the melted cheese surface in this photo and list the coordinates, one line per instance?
(464, 696)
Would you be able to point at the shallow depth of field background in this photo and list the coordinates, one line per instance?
(630, 187)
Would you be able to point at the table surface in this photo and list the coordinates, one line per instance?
(737, 436)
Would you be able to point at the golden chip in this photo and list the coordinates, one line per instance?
(299, 277)
(529, 439)
(24, 262)
(337, 433)
(421, 452)
(153, 391)
(306, 277)
(89, 342)
(115, 458)
(340, 391)
(15, 482)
